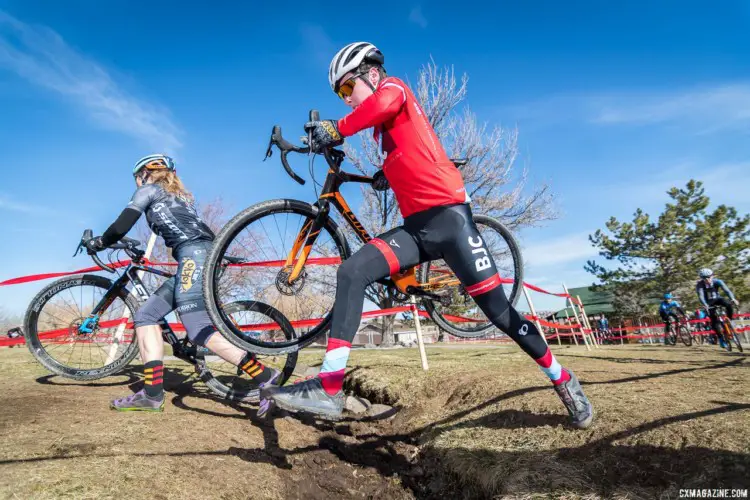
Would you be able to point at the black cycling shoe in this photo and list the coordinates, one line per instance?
(308, 397)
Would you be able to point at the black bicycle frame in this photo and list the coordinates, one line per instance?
(130, 275)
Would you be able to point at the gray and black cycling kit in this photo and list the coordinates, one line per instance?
(709, 297)
(182, 293)
(175, 219)
(444, 232)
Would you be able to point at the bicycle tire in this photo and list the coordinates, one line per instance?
(685, 335)
(735, 337)
(726, 333)
(515, 294)
(670, 338)
(34, 344)
(698, 339)
(244, 394)
(215, 258)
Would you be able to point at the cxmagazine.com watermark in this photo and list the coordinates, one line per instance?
(714, 493)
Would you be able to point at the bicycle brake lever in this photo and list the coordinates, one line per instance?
(314, 117)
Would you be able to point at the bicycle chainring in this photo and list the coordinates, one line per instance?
(397, 295)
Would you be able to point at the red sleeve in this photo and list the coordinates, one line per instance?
(376, 109)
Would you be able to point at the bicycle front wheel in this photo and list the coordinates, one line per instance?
(228, 381)
(457, 313)
(727, 334)
(685, 335)
(54, 336)
(733, 335)
(260, 241)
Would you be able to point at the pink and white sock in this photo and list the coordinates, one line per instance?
(334, 365)
(549, 365)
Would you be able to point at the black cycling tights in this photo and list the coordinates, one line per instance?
(712, 312)
(447, 233)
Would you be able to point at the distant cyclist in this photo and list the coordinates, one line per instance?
(603, 324)
(707, 289)
(665, 311)
(700, 314)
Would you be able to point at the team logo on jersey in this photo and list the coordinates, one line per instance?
(186, 276)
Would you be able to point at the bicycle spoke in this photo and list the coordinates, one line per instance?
(281, 238)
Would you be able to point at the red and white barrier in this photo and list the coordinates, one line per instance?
(306, 323)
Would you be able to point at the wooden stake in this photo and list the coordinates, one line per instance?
(586, 322)
(533, 313)
(420, 342)
(567, 318)
(575, 314)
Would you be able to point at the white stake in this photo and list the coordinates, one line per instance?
(420, 342)
(126, 315)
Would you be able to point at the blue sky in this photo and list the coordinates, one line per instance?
(614, 103)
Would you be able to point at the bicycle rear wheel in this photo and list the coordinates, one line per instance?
(262, 237)
(228, 381)
(53, 318)
(461, 316)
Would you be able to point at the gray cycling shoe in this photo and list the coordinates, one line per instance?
(138, 402)
(579, 407)
(308, 396)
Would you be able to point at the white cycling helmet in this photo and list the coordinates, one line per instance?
(705, 273)
(154, 162)
(349, 58)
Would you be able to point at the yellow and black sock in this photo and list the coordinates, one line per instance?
(255, 369)
(154, 379)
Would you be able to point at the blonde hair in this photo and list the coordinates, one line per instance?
(170, 182)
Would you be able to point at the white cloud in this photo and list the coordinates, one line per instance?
(8, 204)
(699, 110)
(724, 183)
(318, 44)
(417, 17)
(42, 57)
(564, 249)
(709, 109)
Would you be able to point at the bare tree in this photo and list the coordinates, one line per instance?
(496, 185)
(8, 321)
(212, 213)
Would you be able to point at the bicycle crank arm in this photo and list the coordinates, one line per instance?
(418, 292)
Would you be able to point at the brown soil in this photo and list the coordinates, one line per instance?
(481, 423)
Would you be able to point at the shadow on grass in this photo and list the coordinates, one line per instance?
(132, 376)
(601, 467)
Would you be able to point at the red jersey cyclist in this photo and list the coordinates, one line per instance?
(437, 225)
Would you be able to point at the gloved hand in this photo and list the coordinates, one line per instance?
(736, 302)
(95, 244)
(325, 134)
(379, 182)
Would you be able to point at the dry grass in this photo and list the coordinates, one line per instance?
(481, 423)
(666, 418)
